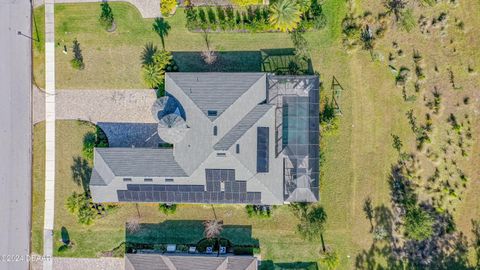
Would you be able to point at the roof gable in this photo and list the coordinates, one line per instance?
(215, 91)
(141, 162)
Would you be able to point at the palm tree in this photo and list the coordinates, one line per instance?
(285, 15)
(312, 224)
(212, 229)
(152, 75)
(148, 53)
(161, 27)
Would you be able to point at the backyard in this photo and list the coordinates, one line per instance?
(357, 157)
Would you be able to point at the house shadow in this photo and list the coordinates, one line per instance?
(270, 265)
(185, 233)
(131, 134)
(278, 61)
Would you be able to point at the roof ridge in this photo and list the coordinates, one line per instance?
(224, 139)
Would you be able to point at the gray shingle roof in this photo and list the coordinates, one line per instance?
(239, 129)
(187, 262)
(214, 91)
(96, 179)
(141, 162)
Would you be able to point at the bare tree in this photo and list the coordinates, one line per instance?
(208, 55)
(213, 228)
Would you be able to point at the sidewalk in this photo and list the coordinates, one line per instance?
(49, 132)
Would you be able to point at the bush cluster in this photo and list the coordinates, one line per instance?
(92, 140)
(262, 211)
(253, 18)
(167, 209)
(226, 18)
(82, 206)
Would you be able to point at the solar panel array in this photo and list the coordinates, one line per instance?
(262, 149)
(234, 191)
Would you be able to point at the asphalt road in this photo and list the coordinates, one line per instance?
(15, 134)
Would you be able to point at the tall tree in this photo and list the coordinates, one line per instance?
(312, 224)
(161, 27)
(106, 15)
(285, 15)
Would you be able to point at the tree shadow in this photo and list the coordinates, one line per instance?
(81, 172)
(445, 249)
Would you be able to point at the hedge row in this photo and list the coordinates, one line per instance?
(251, 19)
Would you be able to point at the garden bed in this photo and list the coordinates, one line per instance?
(253, 18)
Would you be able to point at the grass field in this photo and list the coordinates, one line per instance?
(358, 155)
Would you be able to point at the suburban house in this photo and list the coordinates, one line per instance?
(188, 262)
(241, 138)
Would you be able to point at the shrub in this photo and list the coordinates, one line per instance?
(407, 20)
(81, 205)
(320, 22)
(243, 250)
(261, 211)
(167, 7)
(418, 223)
(153, 73)
(77, 61)
(201, 15)
(106, 16)
(92, 140)
(167, 209)
(212, 19)
(88, 145)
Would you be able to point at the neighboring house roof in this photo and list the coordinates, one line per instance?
(140, 162)
(239, 129)
(188, 262)
(214, 91)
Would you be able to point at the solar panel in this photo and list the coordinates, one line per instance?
(235, 191)
(262, 149)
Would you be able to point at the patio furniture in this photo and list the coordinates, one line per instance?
(223, 250)
(171, 248)
(192, 249)
(209, 250)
